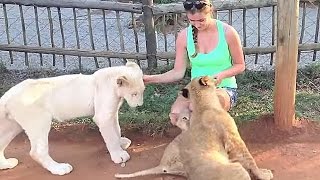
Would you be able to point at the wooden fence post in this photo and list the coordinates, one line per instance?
(286, 63)
(151, 42)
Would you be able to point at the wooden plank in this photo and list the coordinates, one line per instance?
(7, 29)
(175, 25)
(230, 17)
(259, 34)
(24, 35)
(160, 9)
(72, 52)
(62, 35)
(221, 5)
(105, 31)
(303, 24)
(91, 36)
(77, 35)
(129, 55)
(253, 50)
(165, 35)
(136, 39)
(121, 35)
(106, 5)
(51, 35)
(244, 28)
(150, 35)
(38, 32)
(286, 63)
(316, 35)
(273, 24)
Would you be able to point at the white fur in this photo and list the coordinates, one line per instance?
(32, 104)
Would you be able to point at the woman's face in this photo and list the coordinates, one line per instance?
(199, 19)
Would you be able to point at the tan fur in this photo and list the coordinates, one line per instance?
(170, 162)
(212, 148)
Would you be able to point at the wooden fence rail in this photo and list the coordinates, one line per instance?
(126, 55)
(106, 5)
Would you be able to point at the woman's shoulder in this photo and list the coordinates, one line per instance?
(182, 35)
(183, 32)
(229, 30)
(226, 26)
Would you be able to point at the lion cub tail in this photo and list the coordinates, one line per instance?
(152, 171)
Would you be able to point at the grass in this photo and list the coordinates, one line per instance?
(3, 68)
(255, 99)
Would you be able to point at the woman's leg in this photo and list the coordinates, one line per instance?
(179, 109)
(224, 98)
(227, 97)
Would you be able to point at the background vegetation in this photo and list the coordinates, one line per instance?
(255, 97)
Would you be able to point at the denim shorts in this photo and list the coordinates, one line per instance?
(233, 95)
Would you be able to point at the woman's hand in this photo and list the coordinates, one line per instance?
(218, 78)
(146, 79)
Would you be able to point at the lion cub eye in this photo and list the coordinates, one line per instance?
(134, 94)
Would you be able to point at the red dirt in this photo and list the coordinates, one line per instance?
(293, 155)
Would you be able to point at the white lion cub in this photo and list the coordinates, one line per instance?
(32, 104)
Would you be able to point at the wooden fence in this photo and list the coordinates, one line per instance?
(149, 24)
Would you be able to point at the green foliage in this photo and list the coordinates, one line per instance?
(256, 81)
(3, 68)
(308, 105)
(255, 99)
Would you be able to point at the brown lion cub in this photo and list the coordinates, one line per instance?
(212, 147)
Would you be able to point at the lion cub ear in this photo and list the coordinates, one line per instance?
(205, 81)
(215, 81)
(122, 80)
(185, 93)
(131, 63)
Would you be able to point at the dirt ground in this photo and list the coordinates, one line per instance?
(293, 155)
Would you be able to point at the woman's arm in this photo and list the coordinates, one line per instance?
(180, 64)
(236, 52)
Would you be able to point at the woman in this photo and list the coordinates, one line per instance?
(213, 48)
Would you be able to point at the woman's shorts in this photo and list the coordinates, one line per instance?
(233, 95)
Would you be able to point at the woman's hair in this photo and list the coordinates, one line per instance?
(206, 9)
(195, 40)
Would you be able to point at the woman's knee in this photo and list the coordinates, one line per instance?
(224, 99)
(227, 97)
(179, 108)
(173, 118)
(179, 105)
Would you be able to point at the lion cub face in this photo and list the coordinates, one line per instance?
(200, 90)
(132, 87)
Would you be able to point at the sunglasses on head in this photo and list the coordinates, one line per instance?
(188, 5)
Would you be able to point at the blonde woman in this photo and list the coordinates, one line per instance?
(213, 48)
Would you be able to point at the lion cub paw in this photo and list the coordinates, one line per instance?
(9, 163)
(265, 174)
(125, 143)
(120, 156)
(60, 169)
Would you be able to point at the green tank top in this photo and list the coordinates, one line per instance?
(217, 60)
